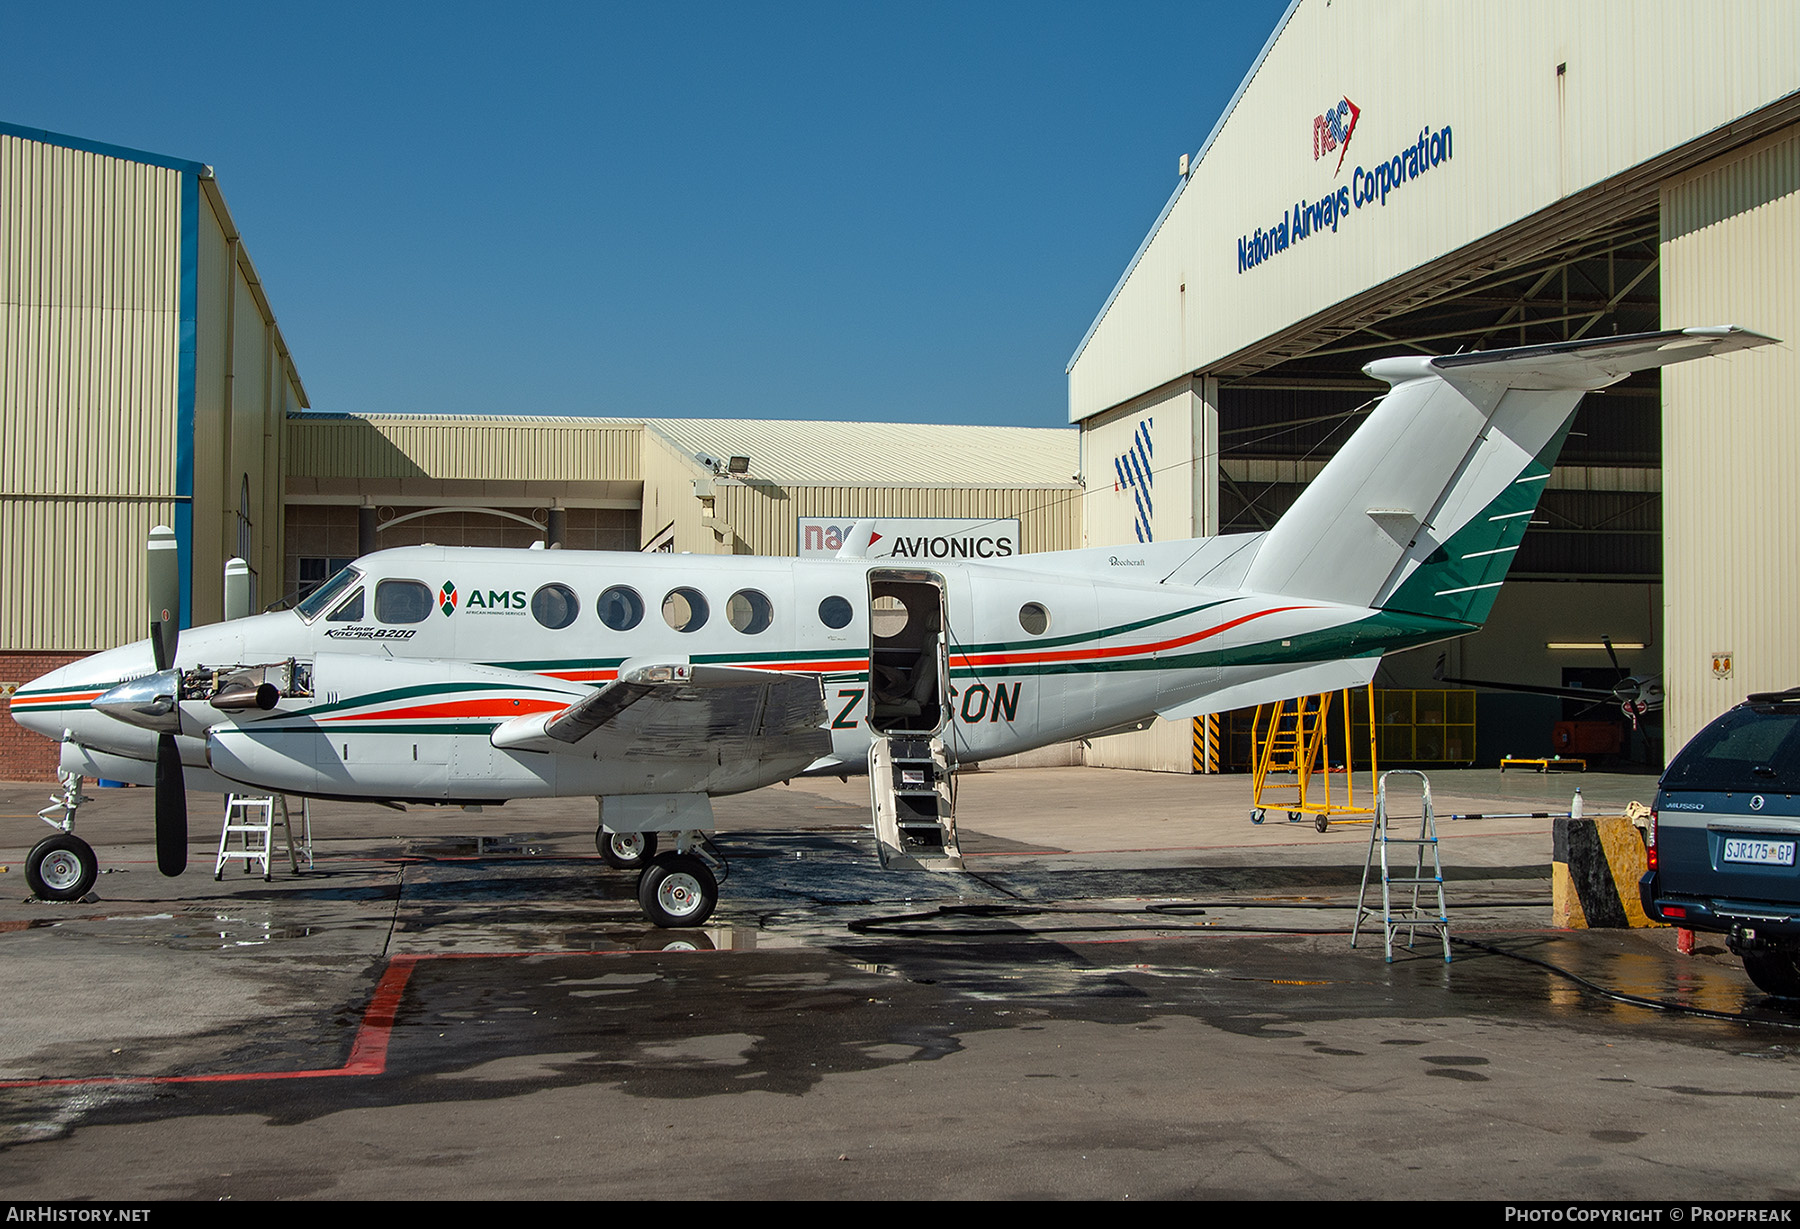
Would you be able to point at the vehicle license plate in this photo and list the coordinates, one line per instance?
(1760, 853)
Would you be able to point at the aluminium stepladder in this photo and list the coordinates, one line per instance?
(1411, 914)
(251, 818)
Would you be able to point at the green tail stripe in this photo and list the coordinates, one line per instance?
(1461, 578)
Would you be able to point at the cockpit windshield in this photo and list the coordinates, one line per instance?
(321, 599)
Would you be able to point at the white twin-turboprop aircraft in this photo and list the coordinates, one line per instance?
(655, 682)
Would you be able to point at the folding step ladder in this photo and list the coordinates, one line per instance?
(1410, 914)
(913, 805)
(251, 818)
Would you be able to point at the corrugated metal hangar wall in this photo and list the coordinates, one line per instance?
(1397, 178)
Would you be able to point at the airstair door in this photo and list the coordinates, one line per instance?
(909, 684)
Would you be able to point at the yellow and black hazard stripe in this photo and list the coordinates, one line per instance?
(1596, 864)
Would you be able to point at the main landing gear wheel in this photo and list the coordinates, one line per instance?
(1775, 971)
(677, 889)
(61, 867)
(625, 851)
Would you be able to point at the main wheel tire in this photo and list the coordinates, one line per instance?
(677, 890)
(1776, 971)
(61, 867)
(625, 851)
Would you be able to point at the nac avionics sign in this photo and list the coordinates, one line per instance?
(913, 537)
(1431, 148)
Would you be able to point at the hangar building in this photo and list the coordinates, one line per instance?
(1396, 178)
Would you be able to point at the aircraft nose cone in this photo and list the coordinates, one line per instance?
(49, 702)
(149, 702)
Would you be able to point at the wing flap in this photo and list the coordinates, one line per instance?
(678, 711)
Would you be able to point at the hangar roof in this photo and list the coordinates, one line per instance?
(790, 452)
(883, 454)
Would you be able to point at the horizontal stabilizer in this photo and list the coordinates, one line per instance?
(1423, 508)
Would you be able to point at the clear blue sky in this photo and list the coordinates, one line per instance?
(866, 211)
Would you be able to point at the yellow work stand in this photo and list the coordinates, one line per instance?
(1556, 763)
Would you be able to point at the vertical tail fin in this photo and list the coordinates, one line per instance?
(1423, 508)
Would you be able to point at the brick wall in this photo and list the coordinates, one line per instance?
(25, 756)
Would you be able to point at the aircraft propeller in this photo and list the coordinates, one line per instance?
(165, 625)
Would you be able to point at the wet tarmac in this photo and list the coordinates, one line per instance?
(1133, 993)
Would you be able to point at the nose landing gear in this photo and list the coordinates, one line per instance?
(62, 866)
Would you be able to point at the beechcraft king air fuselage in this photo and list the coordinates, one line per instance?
(655, 682)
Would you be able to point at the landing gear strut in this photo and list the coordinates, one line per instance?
(62, 866)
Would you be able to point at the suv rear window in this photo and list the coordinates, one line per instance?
(1754, 747)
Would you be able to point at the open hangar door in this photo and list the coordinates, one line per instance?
(1590, 568)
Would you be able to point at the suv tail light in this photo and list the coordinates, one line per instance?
(1650, 841)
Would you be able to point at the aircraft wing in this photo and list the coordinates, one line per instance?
(662, 711)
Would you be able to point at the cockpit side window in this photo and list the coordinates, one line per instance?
(326, 595)
(349, 611)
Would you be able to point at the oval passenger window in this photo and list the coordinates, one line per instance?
(750, 612)
(555, 606)
(836, 612)
(1034, 618)
(684, 610)
(620, 608)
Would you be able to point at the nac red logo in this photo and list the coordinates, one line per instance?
(1334, 129)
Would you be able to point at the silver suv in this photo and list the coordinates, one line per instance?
(1723, 837)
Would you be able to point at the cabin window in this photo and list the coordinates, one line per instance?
(555, 606)
(402, 601)
(349, 610)
(684, 610)
(620, 608)
(836, 612)
(750, 612)
(1034, 618)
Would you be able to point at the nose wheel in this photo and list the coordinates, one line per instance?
(61, 867)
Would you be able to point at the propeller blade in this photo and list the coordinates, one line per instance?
(165, 595)
(171, 808)
(1612, 656)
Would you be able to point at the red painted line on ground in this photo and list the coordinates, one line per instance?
(368, 1052)
(368, 1049)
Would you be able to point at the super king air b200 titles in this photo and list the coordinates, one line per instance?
(655, 682)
